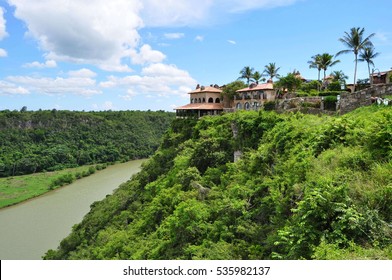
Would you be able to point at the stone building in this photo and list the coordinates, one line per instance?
(254, 96)
(208, 100)
(203, 101)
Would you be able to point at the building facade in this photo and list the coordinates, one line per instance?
(208, 100)
(254, 96)
(203, 101)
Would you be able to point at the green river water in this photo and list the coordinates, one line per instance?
(29, 229)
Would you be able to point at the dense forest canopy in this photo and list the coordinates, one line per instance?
(50, 140)
(307, 187)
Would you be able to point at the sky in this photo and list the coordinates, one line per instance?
(96, 55)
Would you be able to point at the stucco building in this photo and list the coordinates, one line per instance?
(254, 96)
(203, 101)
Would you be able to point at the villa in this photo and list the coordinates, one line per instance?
(254, 96)
(208, 100)
(203, 101)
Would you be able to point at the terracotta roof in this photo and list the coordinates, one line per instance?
(265, 86)
(201, 106)
(206, 89)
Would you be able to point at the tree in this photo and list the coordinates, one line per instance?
(326, 60)
(355, 42)
(368, 54)
(229, 91)
(290, 82)
(257, 77)
(246, 73)
(271, 71)
(339, 76)
(316, 64)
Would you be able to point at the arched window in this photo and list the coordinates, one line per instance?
(199, 100)
(191, 100)
(247, 106)
(210, 100)
(204, 100)
(217, 100)
(238, 106)
(195, 101)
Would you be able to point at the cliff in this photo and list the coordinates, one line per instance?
(313, 187)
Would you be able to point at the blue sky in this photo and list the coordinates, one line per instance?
(147, 54)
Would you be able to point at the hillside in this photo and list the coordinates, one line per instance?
(53, 140)
(312, 187)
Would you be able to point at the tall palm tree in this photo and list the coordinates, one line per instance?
(315, 63)
(368, 54)
(257, 77)
(246, 73)
(326, 60)
(355, 41)
(271, 71)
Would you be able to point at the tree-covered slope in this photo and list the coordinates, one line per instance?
(306, 187)
(50, 140)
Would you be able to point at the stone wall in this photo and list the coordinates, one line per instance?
(351, 101)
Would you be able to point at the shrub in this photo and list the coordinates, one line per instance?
(269, 106)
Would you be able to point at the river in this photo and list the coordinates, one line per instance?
(29, 229)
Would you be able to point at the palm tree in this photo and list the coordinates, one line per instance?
(271, 71)
(355, 42)
(326, 60)
(368, 54)
(339, 76)
(257, 77)
(315, 63)
(246, 73)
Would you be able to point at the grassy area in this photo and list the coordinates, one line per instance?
(20, 188)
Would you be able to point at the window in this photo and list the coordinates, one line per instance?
(210, 100)
(204, 100)
(238, 106)
(247, 106)
(217, 100)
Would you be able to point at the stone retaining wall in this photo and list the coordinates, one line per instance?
(351, 101)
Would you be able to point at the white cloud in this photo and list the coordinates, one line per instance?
(7, 88)
(36, 64)
(3, 53)
(157, 79)
(99, 32)
(85, 86)
(146, 55)
(232, 42)
(199, 38)
(199, 12)
(82, 73)
(173, 36)
(3, 32)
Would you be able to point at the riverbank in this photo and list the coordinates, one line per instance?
(31, 228)
(17, 189)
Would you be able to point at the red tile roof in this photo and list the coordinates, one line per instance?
(201, 106)
(265, 86)
(206, 89)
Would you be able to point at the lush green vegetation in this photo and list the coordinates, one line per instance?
(20, 188)
(53, 140)
(306, 187)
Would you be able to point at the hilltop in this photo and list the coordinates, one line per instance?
(305, 187)
(36, 141)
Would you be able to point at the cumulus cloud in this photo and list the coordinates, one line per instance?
(157, 79)
(95, 31)
(7, 88)
(77, 82)
(146, 55)
(3, 53)
(36, 64)
(3, 32)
